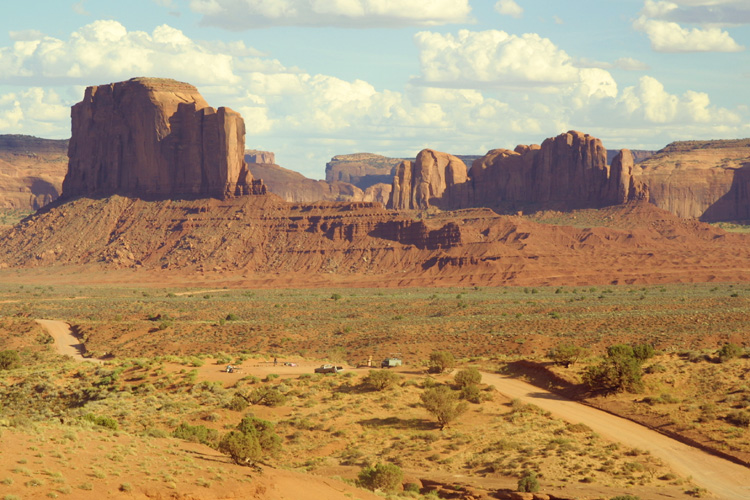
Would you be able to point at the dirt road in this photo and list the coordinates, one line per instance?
(65, 342)
(724, 479)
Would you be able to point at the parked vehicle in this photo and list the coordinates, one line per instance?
(390, 362)
(329, 369)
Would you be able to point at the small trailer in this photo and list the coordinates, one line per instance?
(390, 362)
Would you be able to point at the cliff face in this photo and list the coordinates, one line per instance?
(568, 171)
(708, 180)
(155, 138)
(31, 171)
(430, 180)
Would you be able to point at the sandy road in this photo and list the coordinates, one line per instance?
(723, 478)
(65, 342)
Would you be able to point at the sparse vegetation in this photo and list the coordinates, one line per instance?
(441, 361)
(443, 404)
(380, 380)
(383, 477)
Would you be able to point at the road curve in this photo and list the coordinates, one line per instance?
(725, 479)
(65, 342)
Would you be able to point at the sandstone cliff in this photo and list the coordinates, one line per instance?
(31, 171)
(709, 180)
(566, 172)
(430, 180)
(155, 138)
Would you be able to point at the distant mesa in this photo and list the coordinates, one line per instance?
(31, 171)
(256, 156)
(155, 138)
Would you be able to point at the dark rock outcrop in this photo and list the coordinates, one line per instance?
(155, 138)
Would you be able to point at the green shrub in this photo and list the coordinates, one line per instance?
(443, 404)
(740, 418)
(471, 393)
(264, 430)
(243, 449)
(729, 351)
(237, 403)
(9, 360)
(232, 317)
(106, 422)
(441, 361)
(379, 380)
(268, 396)
(626, 497)
(196, 434)
(253, 439)
(385, 477)
(411, 488)
(566, 354)
(621, 371)
(642, 352)
(467, 377)
(528, 483)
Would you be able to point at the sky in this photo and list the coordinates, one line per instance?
(319, 78)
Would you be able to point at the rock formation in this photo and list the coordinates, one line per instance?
(155, 138)
(430, 180)
(707, 180)
(566, 172)
(256, 156)
(31, 171)
(295, 187)
(361, 169)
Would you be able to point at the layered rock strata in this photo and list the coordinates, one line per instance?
(566, 172)
(155, 138)
(707, 180)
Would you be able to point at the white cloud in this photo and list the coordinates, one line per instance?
(649, 103)
(25, 35)
(492, 59)
(477, 91)
(247, 14)
(630, 64)
(703, 12)
(80, 9)
(509, 8)
(34, 111)
(668, 36)
(106, 51)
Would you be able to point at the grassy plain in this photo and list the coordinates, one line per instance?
(169, 347)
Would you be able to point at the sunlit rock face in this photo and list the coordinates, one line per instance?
(155, 138)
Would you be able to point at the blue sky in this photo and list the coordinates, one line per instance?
(317, 78)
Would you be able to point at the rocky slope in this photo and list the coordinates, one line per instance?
(263, 241)
(31, 171)
(708, 180)
(566, 172)
(155, 138)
